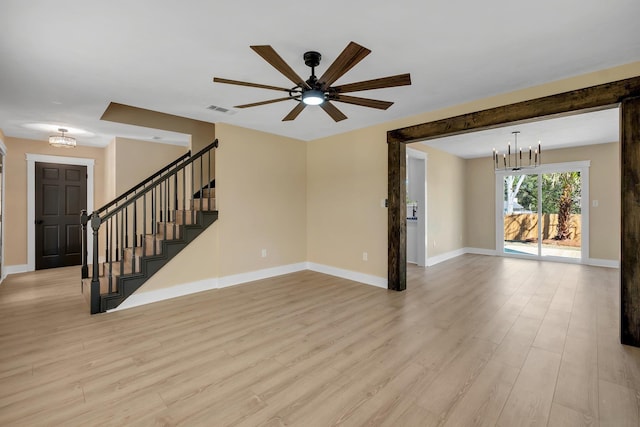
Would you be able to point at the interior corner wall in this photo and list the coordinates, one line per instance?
(346, 189)
(15, 219)
(604, 186)
(261, 196)
(261, 193)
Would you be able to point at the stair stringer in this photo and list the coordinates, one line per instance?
(127, 284)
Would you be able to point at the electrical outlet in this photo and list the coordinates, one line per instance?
(365, 256)
(434, 243)
(264, 253)
(594, 203)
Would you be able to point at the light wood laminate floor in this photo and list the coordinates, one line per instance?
(473, 341)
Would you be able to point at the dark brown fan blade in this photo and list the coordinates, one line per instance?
(271, 101)
(333, 111)
(294, 113)
(381, 83)
(239, 83)
(364, 102)
(276, 61)
(350, 56)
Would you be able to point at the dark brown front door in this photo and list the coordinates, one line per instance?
(61, 194)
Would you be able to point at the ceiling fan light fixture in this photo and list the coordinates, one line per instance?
(62, 140)
(313, 97)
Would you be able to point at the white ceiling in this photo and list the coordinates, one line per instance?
(582, 129)
(62, 62)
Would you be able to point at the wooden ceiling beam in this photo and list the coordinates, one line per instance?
(588, 99)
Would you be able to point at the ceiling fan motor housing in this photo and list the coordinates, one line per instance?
(312, 58)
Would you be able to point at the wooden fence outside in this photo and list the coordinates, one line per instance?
(524, 226)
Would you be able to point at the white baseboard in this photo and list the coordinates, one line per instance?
(480, 251)
(367, 279)
(143, 298)
(266, 273)
(431, 261)
(13, 269)
(611, 263)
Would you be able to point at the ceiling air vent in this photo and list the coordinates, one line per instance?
(220, 109)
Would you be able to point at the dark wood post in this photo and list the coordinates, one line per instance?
(84, 219)
(630, 222)
(397, 216)
(95, 280)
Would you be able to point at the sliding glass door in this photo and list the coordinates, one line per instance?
(542, 215)
(561, 215)
(520, 215)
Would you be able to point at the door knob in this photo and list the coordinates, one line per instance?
(40, 221)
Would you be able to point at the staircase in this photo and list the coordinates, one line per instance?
(144, 228)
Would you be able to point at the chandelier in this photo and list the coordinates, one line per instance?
(62, 140)
(515, 162)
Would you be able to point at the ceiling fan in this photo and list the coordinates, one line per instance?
(318, 91)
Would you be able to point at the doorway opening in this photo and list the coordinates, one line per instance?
(416, 200)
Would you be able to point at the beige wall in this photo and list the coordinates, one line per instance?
(604, 186)
(261, 191)
(261, 195)
(480, 216)
(135, 160)
(16, 189)
(346, 184)
(110, 171)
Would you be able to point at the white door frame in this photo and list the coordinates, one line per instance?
(580, 166)
(31, 197)
(421, 177)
